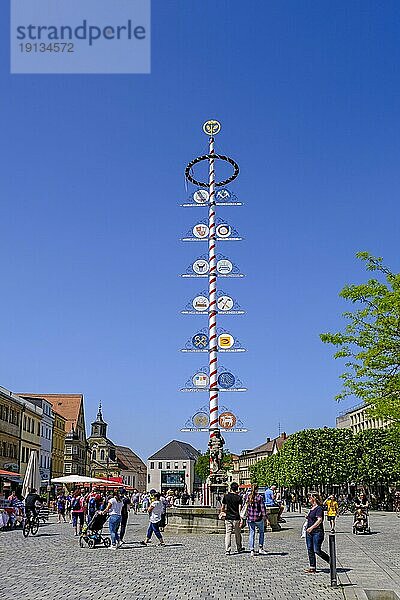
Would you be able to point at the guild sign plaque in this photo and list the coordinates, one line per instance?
(226, 380)
(224, 266)
(200, 231)
(200, 380)
(225, 340)
(227, 420)
(200, 419)
(223, 194)
(200, 303)
(225, 303)
(201, 196)
(201, 267)
(223, 230)
(200, 341)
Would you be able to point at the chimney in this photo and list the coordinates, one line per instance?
(268, 440)
(283, 435)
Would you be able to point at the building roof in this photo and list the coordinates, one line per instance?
(128, 460)
(67, 405)
(176, 450)
(280, 440)
(268, 446)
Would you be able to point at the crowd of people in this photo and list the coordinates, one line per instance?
(251, 510)
(237, 509)
(80, 507)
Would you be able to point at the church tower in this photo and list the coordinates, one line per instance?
(99, 426)
(103, 461)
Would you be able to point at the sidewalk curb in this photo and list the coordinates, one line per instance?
(349, 589)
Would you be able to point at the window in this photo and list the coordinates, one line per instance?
(24, 422)
(101, 454)
(94, 455)
(151, 467)
(168, 465)
(160, 465)
(148, 478)
(176, 465)
(183, 465)
(68, 468)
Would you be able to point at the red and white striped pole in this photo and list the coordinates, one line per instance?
(212, 294)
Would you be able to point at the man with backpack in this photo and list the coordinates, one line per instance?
(78, 511)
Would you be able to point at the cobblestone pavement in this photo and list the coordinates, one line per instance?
(53, 565)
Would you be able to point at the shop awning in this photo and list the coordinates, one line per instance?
(9, 474)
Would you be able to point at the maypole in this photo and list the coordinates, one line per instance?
(213, 268)
(212, 293)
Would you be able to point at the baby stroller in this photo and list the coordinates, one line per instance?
(361, 521)
(92, 532)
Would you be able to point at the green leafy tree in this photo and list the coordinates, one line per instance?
(309, 458)
(370, 342)
(378, 456)
(202, 466)
(323, 457)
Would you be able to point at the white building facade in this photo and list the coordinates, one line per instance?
(358, 419)
(173, 468)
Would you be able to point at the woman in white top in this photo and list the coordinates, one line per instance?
(114, 508)
(155, 511)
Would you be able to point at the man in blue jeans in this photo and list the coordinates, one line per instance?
(155, 511)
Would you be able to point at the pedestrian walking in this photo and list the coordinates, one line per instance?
(78, 511)
(135, 499)
(68, 502)
(332, 508)
(155, 511)
(145, 502)
(288, 500)
(93, 502)
(315, 532)
(61, 502)
(230, 513)
(114, 509)
(255, 517)
(163, 520)
(124, 516)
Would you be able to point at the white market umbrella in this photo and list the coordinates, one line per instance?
(32, 475)
(79, 479)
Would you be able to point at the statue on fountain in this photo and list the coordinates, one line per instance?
(216, 445)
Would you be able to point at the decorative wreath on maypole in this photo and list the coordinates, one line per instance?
(199, 159)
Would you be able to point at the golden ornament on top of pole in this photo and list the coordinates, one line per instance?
(212, 127)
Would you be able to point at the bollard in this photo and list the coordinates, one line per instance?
(332, 563)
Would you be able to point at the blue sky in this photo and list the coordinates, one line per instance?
(92, 175)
